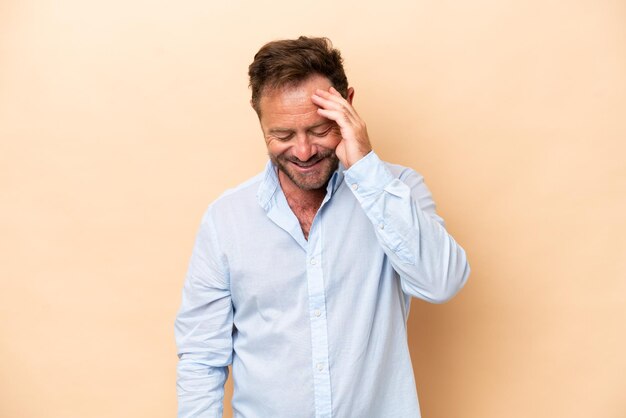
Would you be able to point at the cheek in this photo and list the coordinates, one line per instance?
(276, 147)
(331, 141)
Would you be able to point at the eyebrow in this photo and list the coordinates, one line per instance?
(309, 128)
(280, 131)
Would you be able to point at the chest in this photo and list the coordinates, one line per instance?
(305, 211)
(272, 271)
(305, 216)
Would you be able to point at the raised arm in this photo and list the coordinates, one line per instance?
(431, 265)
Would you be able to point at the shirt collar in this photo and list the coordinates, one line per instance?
(270, 184)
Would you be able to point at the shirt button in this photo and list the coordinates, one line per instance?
(320, 367)
(355, 186)
(381, 226)
(317, 312)
(313, 261)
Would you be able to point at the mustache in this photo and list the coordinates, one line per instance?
(313, 159)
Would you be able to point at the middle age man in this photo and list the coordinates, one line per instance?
(301, 278)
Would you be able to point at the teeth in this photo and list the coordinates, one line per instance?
(305, 165)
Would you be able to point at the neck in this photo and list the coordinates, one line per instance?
(303, 203)
(305, 199)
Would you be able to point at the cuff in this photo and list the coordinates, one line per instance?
(368, 177)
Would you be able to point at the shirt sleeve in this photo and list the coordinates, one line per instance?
(203, 329)
(431, 265)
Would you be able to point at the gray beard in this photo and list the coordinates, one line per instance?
(282, 165)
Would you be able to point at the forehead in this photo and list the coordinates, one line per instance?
(292, 104)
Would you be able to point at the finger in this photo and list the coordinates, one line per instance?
(333, 95)
(335, 106)
(328, 95)
(327, 104)
(343, 119)
(335, 92)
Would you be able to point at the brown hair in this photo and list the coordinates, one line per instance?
(291, 61)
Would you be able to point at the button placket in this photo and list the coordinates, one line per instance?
(317, 315)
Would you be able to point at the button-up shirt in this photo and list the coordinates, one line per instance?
(317, 327)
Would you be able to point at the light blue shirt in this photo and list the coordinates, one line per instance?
(312, 328)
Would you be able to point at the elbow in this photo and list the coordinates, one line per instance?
(442, 288)
(455, 276)
(442, 297)
(452, 285)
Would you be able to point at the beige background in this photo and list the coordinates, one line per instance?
(121, 120)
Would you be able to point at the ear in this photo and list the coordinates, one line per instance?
(350, 94)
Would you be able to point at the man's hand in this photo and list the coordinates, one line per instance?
(355, 144)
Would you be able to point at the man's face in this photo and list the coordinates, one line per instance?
(300, 142)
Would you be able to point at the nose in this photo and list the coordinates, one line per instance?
(304, 148)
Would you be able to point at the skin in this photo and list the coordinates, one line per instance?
(308, 128)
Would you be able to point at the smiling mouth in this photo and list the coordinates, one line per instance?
(305, 164)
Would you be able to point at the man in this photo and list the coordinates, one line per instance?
(301, 278)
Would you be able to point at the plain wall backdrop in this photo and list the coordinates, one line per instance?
(120, 121)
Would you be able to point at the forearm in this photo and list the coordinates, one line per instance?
(203, 338)
(203, 329)
(431, 265)
(200, 387)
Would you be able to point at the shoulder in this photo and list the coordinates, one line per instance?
(401, 172)
(236, 200)
(244, 190)
(415, 181)
(405, 174)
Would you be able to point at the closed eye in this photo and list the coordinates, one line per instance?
(284, 137)
(323, 132)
